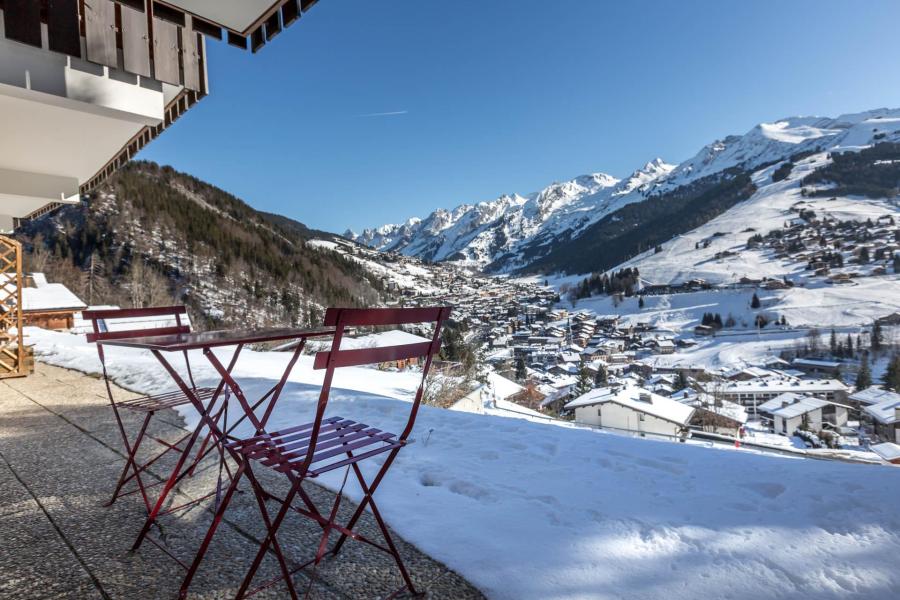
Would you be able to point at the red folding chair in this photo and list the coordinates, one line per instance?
(325, 444)
(102, 322)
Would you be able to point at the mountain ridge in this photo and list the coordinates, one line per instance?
(513, 233)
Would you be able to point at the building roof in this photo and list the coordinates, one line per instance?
(50, 297)
(780, 401)
(884, 412)
(731, 410)
(874, 394)
(800, 407)
(501, 387)
(637, 399)
(888, 451)
(780, 385)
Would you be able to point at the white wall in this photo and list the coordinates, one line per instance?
(616, 416)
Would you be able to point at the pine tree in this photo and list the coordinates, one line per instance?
(754, 302)
(891, 377)
(585, 383)
(864, 375)
(600, 379)
(832, 342)
(850, 346)
(877, 337)
(521, 372)
(640, 302)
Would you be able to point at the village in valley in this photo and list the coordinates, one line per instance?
(538, 354)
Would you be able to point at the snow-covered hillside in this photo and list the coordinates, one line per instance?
(510, 232)
(717, 251)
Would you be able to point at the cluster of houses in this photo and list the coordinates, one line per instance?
(834, 250)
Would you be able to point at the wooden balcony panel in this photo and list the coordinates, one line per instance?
(166, 52)
(100, 32)
(135, 41)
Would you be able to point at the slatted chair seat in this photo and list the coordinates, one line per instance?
(286, 450)
(162, 401)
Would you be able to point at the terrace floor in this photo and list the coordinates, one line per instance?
(60, 455)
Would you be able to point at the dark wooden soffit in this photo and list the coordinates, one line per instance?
(282, 14)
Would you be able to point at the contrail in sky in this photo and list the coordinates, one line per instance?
(384, 114)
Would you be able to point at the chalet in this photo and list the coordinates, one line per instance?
(827, 368)
(886, 418)
(715, 416)
(632, 408)
(704, 331)
(873, 395)
(792, 411)
(49, 305)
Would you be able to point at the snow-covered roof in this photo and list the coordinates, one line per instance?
(784, 385)
(801, 407)
(725, 408)
(502, 387)
(874, 395)
(50, 296)
(888, 451)
(638, 399)
(780, 401)
(884, 412)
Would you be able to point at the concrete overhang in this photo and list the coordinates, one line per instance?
(238, 16)
(62, 120)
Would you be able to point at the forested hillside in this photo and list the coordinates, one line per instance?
(153, 235)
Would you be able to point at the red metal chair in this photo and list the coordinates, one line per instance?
(101, 322)
(325, 444)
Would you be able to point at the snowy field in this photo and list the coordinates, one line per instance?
(529, 511)
(823, 306)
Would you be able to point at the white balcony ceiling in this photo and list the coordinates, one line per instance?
(237, 15)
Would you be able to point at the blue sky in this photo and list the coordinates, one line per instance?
(498, 96)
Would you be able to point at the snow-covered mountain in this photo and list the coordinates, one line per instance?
(514, 231)
(480, 233)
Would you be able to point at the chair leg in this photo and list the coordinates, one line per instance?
(131, 464)
(394, 552)
(260, 494)
(217, 519)
(271, 528)
(170, 483)
(369, 491)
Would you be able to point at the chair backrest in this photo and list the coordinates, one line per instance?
(102, 319)
(343, 318)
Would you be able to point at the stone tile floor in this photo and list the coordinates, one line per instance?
(60, 454)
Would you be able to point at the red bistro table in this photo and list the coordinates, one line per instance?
(161, 345)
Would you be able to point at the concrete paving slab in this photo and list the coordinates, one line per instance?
(62, 453)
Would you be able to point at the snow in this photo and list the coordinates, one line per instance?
(800, 407)
(885, 411)
(50, 296)
(887, 451)
(530, 511)
(875, 395)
